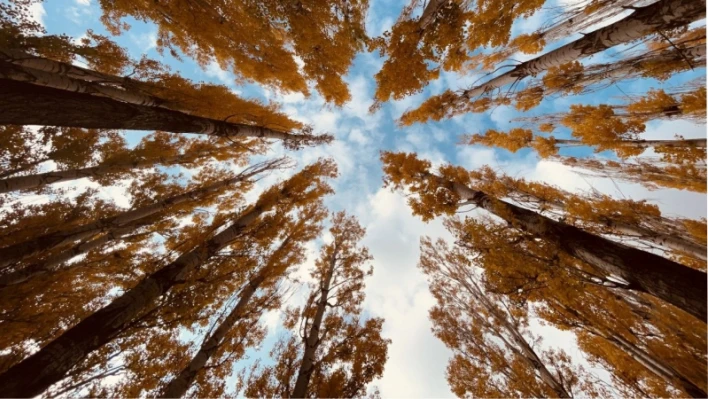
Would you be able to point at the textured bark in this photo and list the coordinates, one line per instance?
(312, 339)
(50, 364)
(180, 384)
(633, 67)
(44, 179)
(669, 281)
(23, 250)
(671, 240)
(49, 264)
(699, 143)
(429, 13)
(661, 16)
(27, 104)
(26, 60)
(21, 73)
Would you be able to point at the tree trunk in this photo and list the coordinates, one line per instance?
(27, 60)
(668, 240)
(180, 384)
(27, 104)
(312, 339)
(429, 13)
(660, 16)
(526, 351)
(23, 250)
(685, 143)
(669, 281)
(44, 179)
(20, 73)
(50, 364)
(653, 364)
(36, 269)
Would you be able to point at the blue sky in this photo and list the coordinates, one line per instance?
(397, 291)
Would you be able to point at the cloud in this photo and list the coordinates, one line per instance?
(398, 292)
(37, 13)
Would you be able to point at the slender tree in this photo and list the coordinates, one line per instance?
(28, 104)
(559, 289)
(90, 334)
(672, 282)
(57, 238)
(336, 353)
(465, 318)
(664, 15)
(287, 254)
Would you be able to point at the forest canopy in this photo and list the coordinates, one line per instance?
(353, 198)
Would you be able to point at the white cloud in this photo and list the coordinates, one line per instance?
(37, 13)
(213, 70)
(83, 2)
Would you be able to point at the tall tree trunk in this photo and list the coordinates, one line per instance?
(312, 339)
(685, 143)
(36, 269)
(429, 13)
(27, 60)
(44, 179)
(671, 240)
(27, 104)
(19, 251)
(524, 349)
(20, 73)
(661, 16)
(181, 383)
(50, 364)
(669, 281)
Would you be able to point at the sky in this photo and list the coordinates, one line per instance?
(397, 291)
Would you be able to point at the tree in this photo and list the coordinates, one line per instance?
(663, 15)
(649, 174)
(441, 39)
(335, 353)
(259, 41)
(672, 282)
(465, 318)
(93, 332)
(599, 213)
(287, 254)
(28, 104)
(118, 225)
(565, 292)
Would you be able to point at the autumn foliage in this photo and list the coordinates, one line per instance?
(155, 234)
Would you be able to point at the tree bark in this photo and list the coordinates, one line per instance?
(62, 81)
(429, 13)
(39, 268)
(312, 339)
(669, 281)
(685, 143)
(27, 60)
(44, 179)
(660, 16)
(23, 250)
(524, 349)
(181, 383)
(28, 104)
(50, 364)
